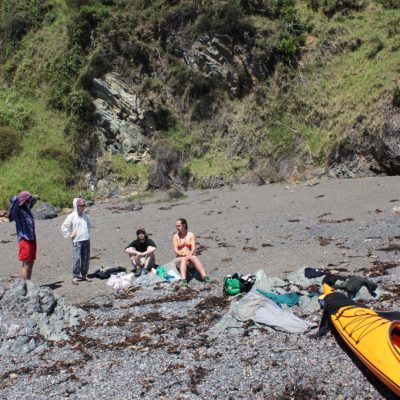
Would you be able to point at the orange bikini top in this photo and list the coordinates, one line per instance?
(184, 244)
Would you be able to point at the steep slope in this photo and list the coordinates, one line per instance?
(132, 94)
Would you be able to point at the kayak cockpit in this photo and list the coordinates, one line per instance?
(395, 336)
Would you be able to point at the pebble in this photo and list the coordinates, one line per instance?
(158, 344)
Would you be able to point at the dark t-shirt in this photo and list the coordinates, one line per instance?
(141, 247)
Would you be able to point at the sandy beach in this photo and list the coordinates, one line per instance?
(279, 228)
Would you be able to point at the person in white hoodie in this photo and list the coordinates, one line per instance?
(77, 227)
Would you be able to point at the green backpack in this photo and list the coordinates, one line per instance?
(231, 285)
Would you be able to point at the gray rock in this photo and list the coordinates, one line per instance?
(119, 118)
(45, 211)
(133, 207)
(27, 310)
(387, 152)
(374, 152)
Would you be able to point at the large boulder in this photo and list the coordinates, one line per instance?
(45, 211)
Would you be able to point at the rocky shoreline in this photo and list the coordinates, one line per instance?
(159, 342)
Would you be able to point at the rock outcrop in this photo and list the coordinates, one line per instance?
(371, 154)
(120, 118)
(31, 313)
(387, 151)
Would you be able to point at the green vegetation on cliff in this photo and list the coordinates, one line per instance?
(316, 71)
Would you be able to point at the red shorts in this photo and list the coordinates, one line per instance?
(27, 250)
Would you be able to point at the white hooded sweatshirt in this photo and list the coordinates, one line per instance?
(80, 225)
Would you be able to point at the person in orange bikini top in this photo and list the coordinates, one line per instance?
(184, 244)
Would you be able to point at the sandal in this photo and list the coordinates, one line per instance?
(85, 278)
(75, 281)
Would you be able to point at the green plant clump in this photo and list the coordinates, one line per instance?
(10, 142)
(396, 96)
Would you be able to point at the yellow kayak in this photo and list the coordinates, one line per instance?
(375, 340)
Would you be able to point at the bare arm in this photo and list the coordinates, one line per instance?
(175, 246)
(132, 251)
(149, 250)
(193, 241)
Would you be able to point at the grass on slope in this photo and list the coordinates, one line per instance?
(41, 166)
(350, 85)
(44, 164)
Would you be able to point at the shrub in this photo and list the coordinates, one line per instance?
(313, 4)
(289, 48)
(331, 7)
(257, 7)
(81, 105)
(291, 36)
(396, 97)
(202, 108)
(62, 155)
(389, 4)
(377, 46)
(393, 27)
(180, 75)
(76, 4)
(10, 142)
(167, 166)
(64, 78)
(224, 18)
(199, 85)
(17, 17)
(99, 64)
(81, 29)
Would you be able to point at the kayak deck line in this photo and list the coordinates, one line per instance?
(361, 322)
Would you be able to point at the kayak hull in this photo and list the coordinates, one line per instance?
(373, 339)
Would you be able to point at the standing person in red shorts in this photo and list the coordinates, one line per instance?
(20, 212)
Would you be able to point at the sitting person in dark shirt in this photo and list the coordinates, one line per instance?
(141, 252)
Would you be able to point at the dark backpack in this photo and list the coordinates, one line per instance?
(234, 284)
(105, 273)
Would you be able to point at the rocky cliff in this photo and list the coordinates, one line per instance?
(200, 93)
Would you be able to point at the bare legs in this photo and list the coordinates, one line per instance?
(185, 262)
(26, 270)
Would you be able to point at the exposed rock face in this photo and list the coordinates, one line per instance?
(120, 118)
(221, 60)
(121, 124)
(27, 311)
(387, 151)
(372, 154)
(125, 116)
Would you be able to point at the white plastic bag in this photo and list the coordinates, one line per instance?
(173, 275)
(120, 281)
